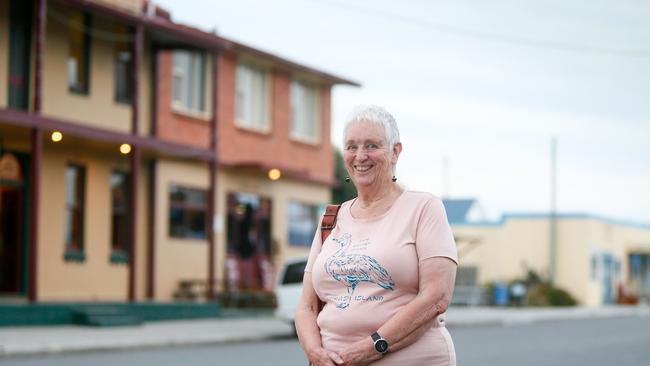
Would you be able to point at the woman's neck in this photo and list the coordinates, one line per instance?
(375, 202)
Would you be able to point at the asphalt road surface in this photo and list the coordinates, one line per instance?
(619, 342)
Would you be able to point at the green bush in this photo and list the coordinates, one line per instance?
(547, 295)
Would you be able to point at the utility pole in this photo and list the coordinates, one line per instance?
(553, 215)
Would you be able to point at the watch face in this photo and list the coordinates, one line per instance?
(381, 346)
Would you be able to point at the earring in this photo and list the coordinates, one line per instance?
(394, 179)
(347, 179)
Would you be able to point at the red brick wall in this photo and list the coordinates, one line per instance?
(241, 146)
(171, 125)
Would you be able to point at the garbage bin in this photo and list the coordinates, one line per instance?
(500, 294)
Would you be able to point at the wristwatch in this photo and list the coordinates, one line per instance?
(381, 345)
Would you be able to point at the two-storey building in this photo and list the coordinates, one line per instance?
(137, 153)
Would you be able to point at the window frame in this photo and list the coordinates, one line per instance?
(123, 47)
(120, 248)
(317, 211)
(83, 87)
(188, 207)
(74, 248)
(196, 103)
(309, 91)
(243, 99)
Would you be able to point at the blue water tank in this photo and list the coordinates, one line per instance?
(500, 295)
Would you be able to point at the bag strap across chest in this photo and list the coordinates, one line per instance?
(329, 221)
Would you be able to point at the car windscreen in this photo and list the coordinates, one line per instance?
(294, 273)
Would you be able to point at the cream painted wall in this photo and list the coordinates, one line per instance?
(4, 51)
(98, 108)
(576, 238)
(506, 252)
(96, 278)
(130, 5)
(503, 252)
(280, 192)
(177, 259)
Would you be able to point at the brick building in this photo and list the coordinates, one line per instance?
(137, 153)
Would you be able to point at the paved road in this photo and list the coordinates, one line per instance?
(620, 342)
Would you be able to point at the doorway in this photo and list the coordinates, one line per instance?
(11, 253)
(249, 243)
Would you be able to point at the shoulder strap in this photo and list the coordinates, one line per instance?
(329, 221)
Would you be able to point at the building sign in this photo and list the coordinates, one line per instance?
(10, 168)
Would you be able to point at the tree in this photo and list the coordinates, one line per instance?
(343, 190)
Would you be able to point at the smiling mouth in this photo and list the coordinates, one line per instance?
(362, 169)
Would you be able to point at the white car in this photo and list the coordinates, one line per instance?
(289, 288)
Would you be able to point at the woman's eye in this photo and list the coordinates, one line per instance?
(351, 147)
(372, 146)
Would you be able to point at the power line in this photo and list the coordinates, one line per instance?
(488, 36)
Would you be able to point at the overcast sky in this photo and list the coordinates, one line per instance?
(484, 83)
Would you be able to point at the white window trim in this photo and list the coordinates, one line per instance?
(268, 88)
(318, 118)
(177, 105)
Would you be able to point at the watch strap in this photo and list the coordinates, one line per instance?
(375, 336)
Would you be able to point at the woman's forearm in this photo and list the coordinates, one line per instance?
(412, 337)
(436, 286)
(408, 325)
(306, 327)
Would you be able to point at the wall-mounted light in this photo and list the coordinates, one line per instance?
(125, 148)
(274, 174)
(57, 136)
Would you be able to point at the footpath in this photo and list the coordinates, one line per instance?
(17, 341)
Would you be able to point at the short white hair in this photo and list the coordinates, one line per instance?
(374, 114)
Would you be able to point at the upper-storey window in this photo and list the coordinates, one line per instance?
(189, 79)
(305, 112)
(252, 98)
(79, 52)
(123, 67)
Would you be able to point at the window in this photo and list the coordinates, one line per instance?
(79, 52)
(305, 112)
(303, 222)
(294, 273)
(123, 68)
(188, 212)
(188, 84)
(594, 266)
(252, 98)
(120, 211)
(75, 177)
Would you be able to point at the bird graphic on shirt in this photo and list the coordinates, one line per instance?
(352, 269)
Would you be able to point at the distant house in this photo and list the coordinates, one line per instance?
(598, 260)
(138, 154)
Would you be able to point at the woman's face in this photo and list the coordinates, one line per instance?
(368, 158)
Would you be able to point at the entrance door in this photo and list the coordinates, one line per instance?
(249, 242)
(10, 239)
(608, 279)
(20, 35)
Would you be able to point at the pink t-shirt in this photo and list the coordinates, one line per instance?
(368, 268)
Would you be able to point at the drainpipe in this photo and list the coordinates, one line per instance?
(151, 207)
(37, 152)
(212, 200)
(135, 157)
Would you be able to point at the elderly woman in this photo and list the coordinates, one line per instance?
(386, 273)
